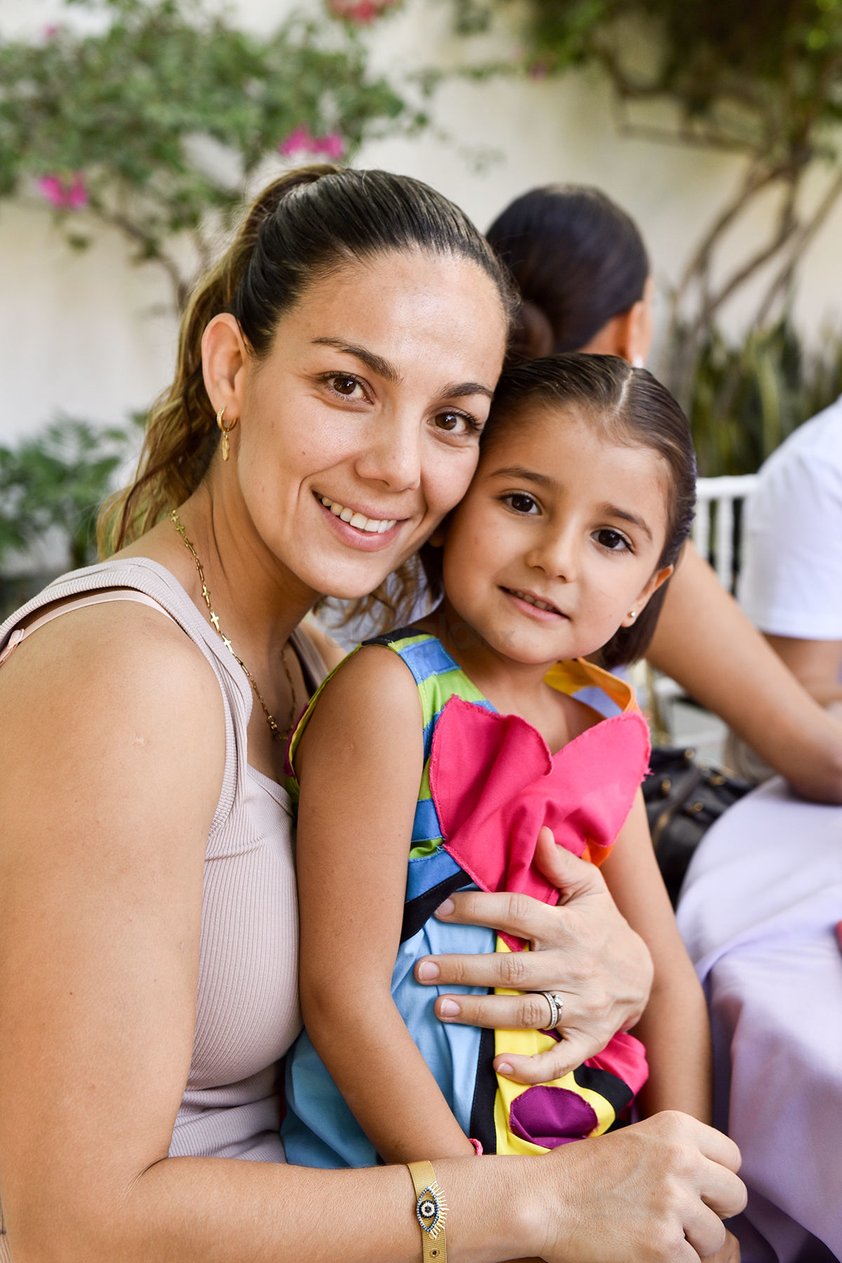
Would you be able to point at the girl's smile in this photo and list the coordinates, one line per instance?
(557, 542)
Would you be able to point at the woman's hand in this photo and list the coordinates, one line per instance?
(656, 1191)
(583, 949)
(729, 1253)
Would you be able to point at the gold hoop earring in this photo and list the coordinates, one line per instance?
(225, 430)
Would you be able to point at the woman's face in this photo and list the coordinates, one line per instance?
(359, 431)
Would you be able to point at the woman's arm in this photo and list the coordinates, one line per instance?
(674, 1027)
(359, 763)
(705, 642)
(112, 750)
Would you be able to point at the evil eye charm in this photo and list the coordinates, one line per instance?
(431, 1210)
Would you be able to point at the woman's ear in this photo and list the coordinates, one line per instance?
(224, 357)
(645, 595)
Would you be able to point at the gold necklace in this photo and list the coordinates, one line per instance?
(277, 734)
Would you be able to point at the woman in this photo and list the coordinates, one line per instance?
(583, 272)
(334, 373)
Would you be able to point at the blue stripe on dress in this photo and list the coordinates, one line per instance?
(428, 871)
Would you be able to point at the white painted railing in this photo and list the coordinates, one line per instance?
(713, 528)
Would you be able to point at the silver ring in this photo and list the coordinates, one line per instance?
(556, 1003)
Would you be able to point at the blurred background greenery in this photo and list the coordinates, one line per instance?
(148, 118)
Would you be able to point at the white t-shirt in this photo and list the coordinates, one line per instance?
(791, 576)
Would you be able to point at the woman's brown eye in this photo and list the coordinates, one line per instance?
(344, 385)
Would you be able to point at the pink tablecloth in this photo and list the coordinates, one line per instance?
(758, 912)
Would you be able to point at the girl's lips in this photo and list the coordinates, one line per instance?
(533, 605)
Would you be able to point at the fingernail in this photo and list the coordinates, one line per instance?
(427, 971)
(504, 1068)
(445, 909)
(449, 1008)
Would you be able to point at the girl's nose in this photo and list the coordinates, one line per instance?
(555, 555)
(392, 455)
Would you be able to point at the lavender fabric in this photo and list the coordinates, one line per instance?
(758, 913)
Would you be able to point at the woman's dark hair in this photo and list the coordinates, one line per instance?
(303, 226)
(629, 406)
(577, 259)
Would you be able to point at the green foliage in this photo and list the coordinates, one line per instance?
(57, 481)
(761, 79)
(747, 399)
(161, 110)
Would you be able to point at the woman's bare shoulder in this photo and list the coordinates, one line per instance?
(107, 695)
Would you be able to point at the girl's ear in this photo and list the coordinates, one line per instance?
(659, 577)
(224, 359)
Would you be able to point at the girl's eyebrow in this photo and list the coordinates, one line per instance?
(544, 480)
(383, 368)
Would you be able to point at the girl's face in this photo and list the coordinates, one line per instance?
(557, 541)
(360, 430)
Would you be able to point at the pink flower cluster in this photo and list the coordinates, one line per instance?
(301, 140)
(64, 192)
(363, 11)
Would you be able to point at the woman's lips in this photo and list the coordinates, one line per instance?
(360, 521)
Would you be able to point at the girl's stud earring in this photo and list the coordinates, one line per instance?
(632, 615)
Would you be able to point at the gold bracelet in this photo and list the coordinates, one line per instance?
(430, 1211)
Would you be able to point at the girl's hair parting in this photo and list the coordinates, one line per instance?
(629, 406)
(577, 259)
(303, 226)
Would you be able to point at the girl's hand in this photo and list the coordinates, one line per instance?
(583, 949)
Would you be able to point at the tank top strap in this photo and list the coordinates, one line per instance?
(96, 598)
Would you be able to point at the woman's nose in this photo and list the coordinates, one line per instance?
(392, 455)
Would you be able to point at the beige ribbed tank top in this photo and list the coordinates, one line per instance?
(248, 1012)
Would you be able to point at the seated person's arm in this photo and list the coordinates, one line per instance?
(705, 642)
(817, 664)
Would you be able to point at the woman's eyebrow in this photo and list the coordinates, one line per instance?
(376, 363)
(383, 368)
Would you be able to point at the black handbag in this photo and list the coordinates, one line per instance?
(683, 798)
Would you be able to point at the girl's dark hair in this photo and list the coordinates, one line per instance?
(303, 226)
(577, 259)
(629, 406)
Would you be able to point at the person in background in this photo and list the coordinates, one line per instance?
(790, 582)
(585, 280)
(333, 373)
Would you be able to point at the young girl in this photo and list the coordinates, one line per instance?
(454, 741)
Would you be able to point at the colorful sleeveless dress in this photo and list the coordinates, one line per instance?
(489, 783)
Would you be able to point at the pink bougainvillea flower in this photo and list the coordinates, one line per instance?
(298, 141)
(332, 145)
(302, 140)
(51, 30)
(359, 10)
(64, 193)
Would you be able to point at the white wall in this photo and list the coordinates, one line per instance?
(90, 335)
